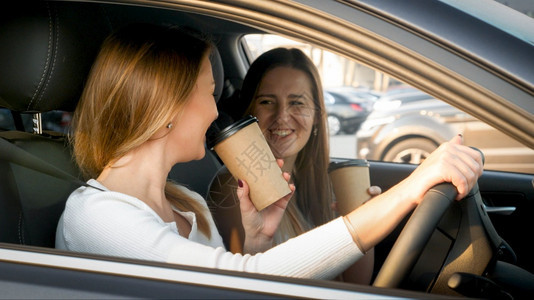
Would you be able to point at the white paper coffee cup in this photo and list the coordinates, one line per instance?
(245, 152)
(350, 181)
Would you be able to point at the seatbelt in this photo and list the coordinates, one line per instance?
(14, 154)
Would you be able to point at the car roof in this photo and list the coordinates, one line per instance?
(495, 13)
(484, 37)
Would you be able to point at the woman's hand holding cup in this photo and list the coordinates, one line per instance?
(260, 226)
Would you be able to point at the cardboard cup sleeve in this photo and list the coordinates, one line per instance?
(245, 152)
(350, 182)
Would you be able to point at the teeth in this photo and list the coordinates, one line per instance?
(281, 133)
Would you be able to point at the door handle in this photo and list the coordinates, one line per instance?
(500, 210)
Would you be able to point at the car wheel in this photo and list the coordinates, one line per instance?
(351, 130)
(334, 125)
(413, 151)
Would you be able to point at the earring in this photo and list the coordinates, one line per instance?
(169, 125)
(315, 131)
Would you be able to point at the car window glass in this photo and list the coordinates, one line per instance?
(374, 116)
(6, 120)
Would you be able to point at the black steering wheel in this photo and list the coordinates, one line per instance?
(415, 235)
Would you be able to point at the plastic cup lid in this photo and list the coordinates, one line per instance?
(230, 130)
(338, 163)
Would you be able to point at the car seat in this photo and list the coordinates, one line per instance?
(47, 49)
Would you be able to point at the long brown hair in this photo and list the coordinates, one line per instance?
(140, 80)
(313, 194)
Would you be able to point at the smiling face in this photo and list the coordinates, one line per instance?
(285, 109)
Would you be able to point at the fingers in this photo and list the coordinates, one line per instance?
(243, 194)
(472, 158)
(287, 176)
(280, 162)
(463, 165)
(282, 203)
(458, 139)
(462, 178)
(452, 162)
(477, 162)
(242, 188)
(292, 188)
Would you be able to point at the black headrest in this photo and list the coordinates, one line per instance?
(47, 49)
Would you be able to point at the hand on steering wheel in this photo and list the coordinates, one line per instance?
(416, 233)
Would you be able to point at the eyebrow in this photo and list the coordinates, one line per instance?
(265, 95)
(303, 95)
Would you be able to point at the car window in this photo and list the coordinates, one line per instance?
(376, 117)
(6, 120)
(56, 120)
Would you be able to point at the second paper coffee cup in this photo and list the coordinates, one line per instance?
(350, 181)
(245, 152)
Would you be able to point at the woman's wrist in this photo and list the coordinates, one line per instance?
(257, 244)
(372, 221)
(354, 234)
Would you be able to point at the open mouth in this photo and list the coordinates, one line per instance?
(281, 132)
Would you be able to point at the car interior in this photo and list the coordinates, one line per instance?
(53, 81)
(48, 49)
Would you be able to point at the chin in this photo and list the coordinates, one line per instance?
(281, 150)
(284, 154)
(200, 155)
(194, 156)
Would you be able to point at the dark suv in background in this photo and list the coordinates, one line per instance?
(347, 108)
(406, 127)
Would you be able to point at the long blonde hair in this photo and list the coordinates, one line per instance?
(314, 193)
(140, 80)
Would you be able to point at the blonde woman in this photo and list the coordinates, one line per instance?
(146, 106)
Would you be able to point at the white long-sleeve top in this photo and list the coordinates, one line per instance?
(115, 224)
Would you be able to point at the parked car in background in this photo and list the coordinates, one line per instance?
(347, 108)
(406, 127)
(55, 120)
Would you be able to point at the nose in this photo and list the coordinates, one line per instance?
(282, 112)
